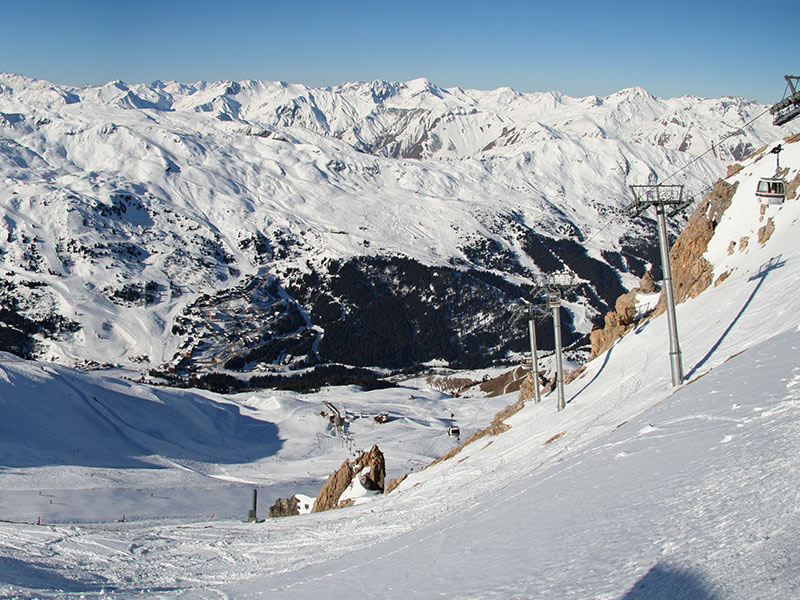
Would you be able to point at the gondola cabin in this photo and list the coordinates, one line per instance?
(771, 190)
(453, 431)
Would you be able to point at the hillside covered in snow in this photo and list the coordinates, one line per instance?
(253, 227)
(635, 490)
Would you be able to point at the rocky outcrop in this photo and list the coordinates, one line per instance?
(691, 273)
(646, 284)
(370, 466)
(333, 488)
(508, 382)
(393, 484)
(620, 320)
(526, 388)
(546, 384)
(766, 231)
(792, 186)
(284, 507)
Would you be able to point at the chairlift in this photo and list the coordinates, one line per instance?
(788, 108)
(772, 190)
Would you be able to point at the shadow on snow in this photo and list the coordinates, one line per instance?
(62, 418)
(766, 269)
(664, 582)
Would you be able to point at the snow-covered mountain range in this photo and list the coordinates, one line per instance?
(248, 225)
(636, 490)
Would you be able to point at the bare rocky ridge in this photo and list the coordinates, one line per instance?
(691, 273)
(620, 320)
(370, 466)
(284, 507)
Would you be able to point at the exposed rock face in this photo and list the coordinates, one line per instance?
(734, 169)
(621, 319)
(332, 489)
(765, 232)
(691, 273)
(372, 467)
(646, 284)
(792, 186)
(394, 483)
(510, 381)
(526, 391)
(284, 507)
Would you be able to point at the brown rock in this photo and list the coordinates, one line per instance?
(625, 307)
(792, 187)
(371, 478)
(691, 273)
(372, 469)
(791, 139)
(526, 388)
(526, 391)
(722, 278)
(510, 381)
(394, 483)
(603, 339)
(284, 507)
(574, 374)
(765, 232)
(734, 169)
(646, 284)
(332, 489)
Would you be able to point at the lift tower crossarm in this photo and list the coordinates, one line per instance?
(788, 108)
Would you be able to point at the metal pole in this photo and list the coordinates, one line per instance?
(534, 359)
(559, 367)
(252, 517)
(675, 362)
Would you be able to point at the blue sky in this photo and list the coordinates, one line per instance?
(708, 48)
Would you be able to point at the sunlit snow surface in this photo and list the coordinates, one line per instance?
(649, 493)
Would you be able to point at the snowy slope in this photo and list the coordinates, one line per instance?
(122, 205)
(635, 490)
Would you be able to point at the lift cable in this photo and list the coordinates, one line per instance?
(687, 165)
(731, 134)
